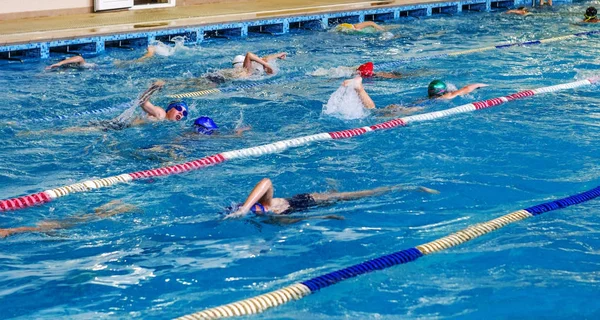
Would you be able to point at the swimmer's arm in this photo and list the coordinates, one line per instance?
(110, 209)
(280, 55)
(149, 54)
(252, 57)
(388, 75)
(262, 192)
(76, 59)
(362, 94)
(154, 111)
(362, 25)
(12, 231)
(155, 87)
(240, 131)
(462, 91)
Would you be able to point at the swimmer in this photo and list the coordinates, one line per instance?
(591, 15)
(546, 2)
(366, 71)
(183, 147)
(105, 211)
(72, 62)
(150, 51)
(175, 111)
(261, 201)
(522, 11)
(251, 64)
(345, 27)
(438, 89)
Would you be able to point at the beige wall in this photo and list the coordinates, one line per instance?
(20, 6)
(19, 9)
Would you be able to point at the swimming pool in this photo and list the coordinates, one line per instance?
(178, 256)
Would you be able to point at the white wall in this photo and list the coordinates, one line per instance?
(16, 6)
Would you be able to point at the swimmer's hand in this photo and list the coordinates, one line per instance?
(282, 55)
(356, 81)
(145, 96)
(240, 131)
(5, 233)
(268, 69)
(428, 190)
(235, 215)
(56, 65)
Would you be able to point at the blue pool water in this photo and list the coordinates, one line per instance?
(178, 256)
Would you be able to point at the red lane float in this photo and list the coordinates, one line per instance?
(48, 195)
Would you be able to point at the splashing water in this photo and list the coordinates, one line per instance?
(386, 36)
(128, 115)
(165, 50)
(338, 72)
(345, 104)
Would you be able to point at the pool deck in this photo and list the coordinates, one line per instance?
(28, 30)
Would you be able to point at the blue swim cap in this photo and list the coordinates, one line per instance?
(205, 125)
(175, 104)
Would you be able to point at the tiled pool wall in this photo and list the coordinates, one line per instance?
(197, 34)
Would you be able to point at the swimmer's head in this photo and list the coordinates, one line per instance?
(590, 13)
(205, 125)
(257, 208)
(365, 70)
(521, 8)
(177, 110)
(238, 61)
(436, 88)
(344, 27)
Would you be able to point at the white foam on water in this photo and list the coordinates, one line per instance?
(338, 72)
(345, 104)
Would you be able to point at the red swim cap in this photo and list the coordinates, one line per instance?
(366, 70)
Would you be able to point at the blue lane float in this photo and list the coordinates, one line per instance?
(297, 291)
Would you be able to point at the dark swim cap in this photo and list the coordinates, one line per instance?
(205, 125)
(590, 13)
(436, 88)
(175, 104)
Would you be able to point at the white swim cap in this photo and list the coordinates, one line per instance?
(238, 59)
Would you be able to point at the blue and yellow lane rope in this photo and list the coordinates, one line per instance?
(297, 291)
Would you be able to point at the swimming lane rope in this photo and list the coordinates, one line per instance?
(121, 107)
(387, 65)
(299, 290)
(48, 195)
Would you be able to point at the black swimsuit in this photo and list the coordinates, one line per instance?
(300, 202)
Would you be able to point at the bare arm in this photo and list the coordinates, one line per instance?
(462, 91)
(149, 54)
(75, 59)
(353, 195)
(280, 55)
(362, 25)
(388, 75)
(240, 131)
(252, 57)
(110, 209)
(262, 193)
(147, 106)
(362, 94)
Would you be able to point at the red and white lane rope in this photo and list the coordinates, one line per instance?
(48, 195)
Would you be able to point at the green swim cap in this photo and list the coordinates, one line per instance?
(436, 88)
